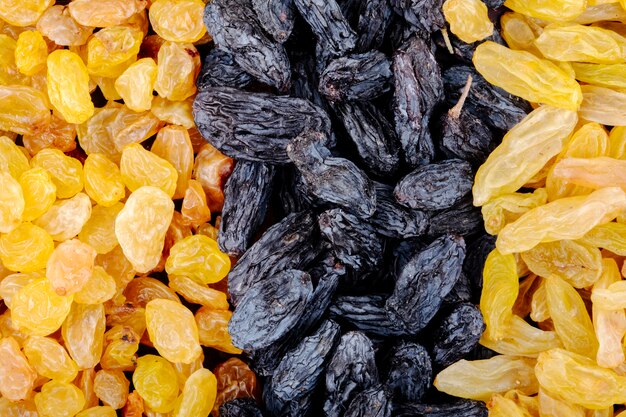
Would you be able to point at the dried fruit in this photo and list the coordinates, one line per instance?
(104, 13)
(66, 218)
(39, 192)
(179, 65)
(198, 395)
(112, 50)
(59, 399)
(23, 110)
(213, 329)
(178, 21)
(50, 359)
(199, 258)
(155, 381)
(111, 387)
(23, 13)
(17, 377)
(136, 83)
(26, 249)
(68, 86)
(174, 145)
(234, 380)
(66, 172)
(38, 310)
(11, 202)
(57, 24)
(70, 266)
(468, 20)
(83, 334)
(140, 167)
(31, 52)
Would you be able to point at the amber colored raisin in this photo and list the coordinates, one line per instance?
(198, 395)
(83, 334)
(70, 266)
(174, 145)
(104, 13)
(155, 381)
(11, 202)
(66, 218)
(103, 180)
(121, 344)
(38, 309)
(57, 24)
(113, 49)
(179, 66)
(23, 109)
(212, 169)
(17, 377)
(213, 329)
(100, 287)
(199, 258)
(195, 210)
(235, 379)
(111, 387)
(197, 293)
(140, 167)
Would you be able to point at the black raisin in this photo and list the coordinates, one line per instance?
(477, 252)
(457, 334)
(410, 372)
(329, 24)
(394, 220)
(374, 19)
(372, 402)
(365, 313)
(458, 408)
(276, 17)
(463, 219)
(240, 407)
(425, 15)
(221, 70)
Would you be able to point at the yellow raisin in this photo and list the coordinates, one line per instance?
(23, 110)
(99, 288)
(66, 218)
(174, 112)
(131, 127)
(99, 231)
(58, 134)
(103, 180)
(113, 49)
(11, 284)
(94, 136)
(57, 24)
(66, 172)
(31, 52)
(519, 32)
(121, 345)
(70, 266)
(522, 339)
(602, 75)
(500, 289)
(83, 334)
(174, 145)
(212, 169)
(173, 330)
(506, 208)
(25, 408)
(68, 86)
(155, 381)
(558, 10)
(197, 293)
(11, 202)
(500, 406)
(195, 210)
(85, 383)
(136, 83)
(38, 309)
(178, 20)
(111, 387)
(142, 290)
(11, 155)
(104, 13)
(140, 167)
(198, 395)
(59, 399)
(213, 329)
(98, 411)
(26, 249)
(179, 66)
(50, 359)
(468, 19)
(603, 105)
(141, 226)
(17, 377)
(23, 12)
(610, 236)
(523, 74)
(199, 258)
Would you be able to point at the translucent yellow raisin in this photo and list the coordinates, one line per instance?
(141, 226)
(104, 13)
(85, 383)
(68, 86)
(23, 12)
(173, 330)
(519, 32)
(11, 202)
(213, 329)
(579, 380)
(212, 169)
(26, 249)
(174, 112)
(198, 395)
(142, 290)
(70, 266)
(551, 405)
(610, 236)
(12, 157)
(480, 379)
(94, 136)
(197, 293)
(23, 109)
(131, 127)
(577, 263)
(195, 210)
(500, 406)
(38, 309)
(174, 145)
(155, 380)
(59, 399)
(178, 20)
(179, 66)
(98, 411)
(525, 149)
(99, 288)
(57, 24)
(539, 305)
(66, 218)
(39, 192)
(522, 339)
(610, 76)
(506, 208)
(111, 387)
(523, 74)
(567, 218)
(121, 344)
(559, 10)
(83, 334)
(50, 359)
(99, 231)
(603, 105)
(136, 84)
(17, 377)
(66, 172)
(500, 288)
(117, 265)
(11, 284)
(31, 52)
(610, 298)
(113, 49)
(199, 258)
(184, 370)
(25, 408)
(468, 20)
(103, 180)
(140, 167)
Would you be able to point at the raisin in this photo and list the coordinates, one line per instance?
(356, 77)
(466, 408)
(276, 17)
(332, 179)
(227, 21)
(220, 70)
(394, 220)
(365, 313)
(240, 407)
(425, 280)
(328, 24)
(59, 399)
(251, 182)
(463, 219)
(18, 377)
(254, 126)
(374, 20)
(234, 380)
(410, 372)
(167, 17)
(372, 402)
(457, 334)
(424, 15)
(469, 20)
(155, 381)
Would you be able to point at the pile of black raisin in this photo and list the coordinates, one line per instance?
(357, 129)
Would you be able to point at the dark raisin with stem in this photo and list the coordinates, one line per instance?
(463, 135)
(247, 195)
(394, 220)
(351, 369)
(374, 19)
(410, 372)
(418, 89)
(457, 334)
(332, 179)
(491, 104)
(373, 136)
(424, 15)
(221, 70)
(276, 17)
(234, 27)
(424, 282)
(354, 242)
(302, 368)
(240, 407)
(365, 313)
(254, 126)
(291, 243)
(357, 77)
(328, 24)
(463, 219)
(436, 186)
(456, 408)
(373, 402)
(258, 321)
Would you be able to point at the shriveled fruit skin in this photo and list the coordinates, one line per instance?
(100, 288)
(66, 172)
(12, 202)
(276, 17)
(26, 249)
(372, 401)
(500, 288)
(128, 127)
(507, 208)
(23, 13)
(523, 152)
(50, 359)
(424, 17)
(219, 69)
(39, 192)
(197, 293)
(104, 13)
(155, 380)
(13, 156)
(561, 10)
(458, 333)
(83, 334)
(136, 83)
(255, 53)
(410, 372)
(235, 379)
(175, 112)
(103, 180)
(524, 75)
(17, 377)
(70, 266)
(38, 310)
(111, 50)
(179, 66)
(173, 144)
(111, 387)
(25, 408)
(468, 19)
(23, 110)
(199, 258)
(195, 210)
(142, 290)
(99, 231)
(480, 379)
(365, 313)
(57, 24)
(140, 167)
(141, 226)
(567, 218)
(98, 411)
(213, 329)
(240, 407)
(212, 169)
(173, 330)
(562, 373)
(594, 173)
(121, 345)
(609, 236)
(328, 24)
(31, 52)
(603, 75)
(66, 218)
(59, 399)
(68, 86)
(178, 21)
(198, 395)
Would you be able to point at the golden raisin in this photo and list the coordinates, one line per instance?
(199, 258)
(70, 266)
(31, 52)
(68, 86)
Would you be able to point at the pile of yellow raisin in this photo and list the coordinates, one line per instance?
(109, 269)
(554, 294)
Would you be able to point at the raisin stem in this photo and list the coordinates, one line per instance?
(456, 110)
(446, 40)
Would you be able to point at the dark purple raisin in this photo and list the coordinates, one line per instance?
(372, 402)
(365, 313)
(456, 334)
(410, 372)
(276, 17)
(221, 70)
(329, 24)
